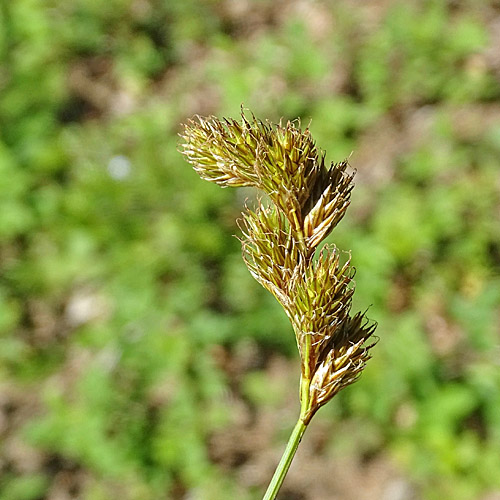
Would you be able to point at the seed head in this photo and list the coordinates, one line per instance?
(280, 241)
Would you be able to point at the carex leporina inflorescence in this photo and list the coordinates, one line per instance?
(281, 238)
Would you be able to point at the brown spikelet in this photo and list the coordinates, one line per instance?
(342, 361)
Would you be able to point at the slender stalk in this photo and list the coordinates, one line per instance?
(286, 460)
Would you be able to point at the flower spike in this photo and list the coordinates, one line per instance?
(280, 247)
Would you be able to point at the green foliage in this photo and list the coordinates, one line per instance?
(418, 56)
(123, 299)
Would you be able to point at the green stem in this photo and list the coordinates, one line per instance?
(286, 460)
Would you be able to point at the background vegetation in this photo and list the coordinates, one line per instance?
(138, 358)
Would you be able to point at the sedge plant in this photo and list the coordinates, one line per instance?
(280, 245)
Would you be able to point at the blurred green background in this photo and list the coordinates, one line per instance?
(138, 358)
